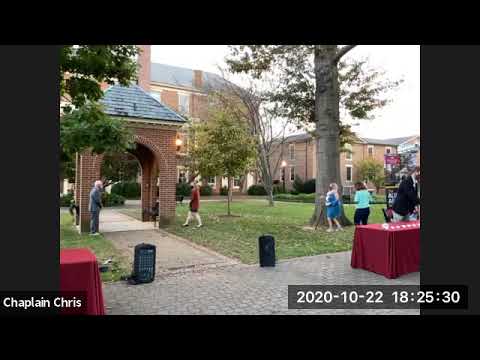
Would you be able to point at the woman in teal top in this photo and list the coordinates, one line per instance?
(362, 199)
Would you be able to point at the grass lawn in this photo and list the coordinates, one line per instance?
(237, 237)
(101, 247)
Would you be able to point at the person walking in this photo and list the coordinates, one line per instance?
(362, 200)
(332, 202)
(94, 207)
(406, 206)
(194, 206)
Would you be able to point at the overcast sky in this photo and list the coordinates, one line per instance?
(400, 118)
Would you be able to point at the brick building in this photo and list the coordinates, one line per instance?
(299, 154)
(184, 91)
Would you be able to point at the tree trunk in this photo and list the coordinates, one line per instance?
(229, 197)
(327, 127)
(269, 190)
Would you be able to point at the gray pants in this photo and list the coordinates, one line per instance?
(94, 220)
(398, 217)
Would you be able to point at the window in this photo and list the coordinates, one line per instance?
(182, 176)
(156, 95)
(349, 173)
(292, 151)
(236, 182)
(388, 150)
(370, 150)
(183, 103)
(292, 174)
(348, 154)
(211, 180)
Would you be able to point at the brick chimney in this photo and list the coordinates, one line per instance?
(197, 79)
(144, 67)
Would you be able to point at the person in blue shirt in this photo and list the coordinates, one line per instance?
(362, 200)
(332, 202)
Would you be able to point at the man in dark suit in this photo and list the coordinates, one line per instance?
(406, 205)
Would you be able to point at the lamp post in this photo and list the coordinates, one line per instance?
(283, 165)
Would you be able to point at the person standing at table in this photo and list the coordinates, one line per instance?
(332, 202)
(406, 206)
(94, 206)
(194, 206)
(362, 200)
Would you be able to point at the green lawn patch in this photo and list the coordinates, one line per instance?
(101, 247)
(237, 237)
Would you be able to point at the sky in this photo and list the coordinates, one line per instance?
(397, 119)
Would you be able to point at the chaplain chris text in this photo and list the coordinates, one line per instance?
(56, 302)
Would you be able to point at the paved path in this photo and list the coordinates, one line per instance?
(113, 221)
(173, 254)
(245, 289)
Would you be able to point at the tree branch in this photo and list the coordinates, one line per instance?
(341, 52)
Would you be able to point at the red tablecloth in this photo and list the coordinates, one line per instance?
(79, 273)
(392, 253)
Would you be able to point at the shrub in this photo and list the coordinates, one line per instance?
(129, 190)
(303, 198)
(66, 200)
(112, 199)
(278, 189)
(294, 192)
(206, 190)
(309, 186)
(224, 191)
(183, 189)
(346, 199)
(258, 190)
(298, 185)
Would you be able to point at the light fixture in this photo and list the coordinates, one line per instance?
(178, 142)
(284, 163)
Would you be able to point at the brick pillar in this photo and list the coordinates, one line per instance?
(90, 165)
(168, 180)
(153, 182)
(77, 179)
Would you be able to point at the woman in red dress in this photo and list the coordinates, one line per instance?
(194, 206)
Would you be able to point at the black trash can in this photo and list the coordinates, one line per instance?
(266, 246)
(143, 264)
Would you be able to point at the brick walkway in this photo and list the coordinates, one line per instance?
(243, 289)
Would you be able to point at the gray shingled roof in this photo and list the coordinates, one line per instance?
(132, 101)
(179, 76)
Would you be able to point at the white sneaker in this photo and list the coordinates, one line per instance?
(199, 226)
(95, 234)
(339, 229)
(329, 230)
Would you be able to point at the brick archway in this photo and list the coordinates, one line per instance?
(156, 153)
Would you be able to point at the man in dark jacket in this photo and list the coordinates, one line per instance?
(407, 201)
(94, 206)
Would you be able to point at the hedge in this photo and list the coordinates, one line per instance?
(129, 190)
(257, 190)
(206, 190)
(66, 200)
(304, 198)
(309, 186)
(107, 200)
(183, 189)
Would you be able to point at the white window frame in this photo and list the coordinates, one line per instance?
(348, 154)
(292, 172)
(187, 96)
(214, 184)
(388, 148)
(179, 170)
(156, 92)
(233, 182)
(290, 147)
(351, 173)
(373, 150)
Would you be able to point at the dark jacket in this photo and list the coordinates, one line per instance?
(407, 197)
(95, 203)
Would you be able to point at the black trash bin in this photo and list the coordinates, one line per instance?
(266, 246)
(143, 264)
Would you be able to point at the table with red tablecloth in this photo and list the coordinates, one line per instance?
(391, 252)
(79, 273)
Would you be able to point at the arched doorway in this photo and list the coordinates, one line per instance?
(154, 127)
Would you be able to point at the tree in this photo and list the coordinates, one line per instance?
(84, 67)
(314, 86)
(84, 125)
(372, 171)
(249, 105)
(119, 167)
(222, 146)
